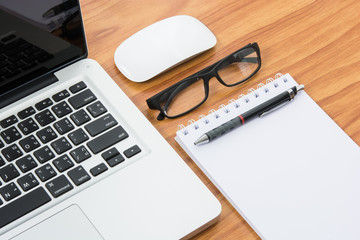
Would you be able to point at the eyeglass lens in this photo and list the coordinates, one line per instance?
(192, 92)
(245, 64)
(184, 98)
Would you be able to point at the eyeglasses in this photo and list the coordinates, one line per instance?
(188, 94)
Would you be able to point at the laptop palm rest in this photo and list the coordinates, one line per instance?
(70, 223)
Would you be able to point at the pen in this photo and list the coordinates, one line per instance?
(260, 110)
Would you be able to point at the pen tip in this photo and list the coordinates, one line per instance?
(201, 140)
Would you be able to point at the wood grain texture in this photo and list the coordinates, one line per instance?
(317, 42)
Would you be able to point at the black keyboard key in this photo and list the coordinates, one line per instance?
(96, 109)
(3, 64)
(80, 154)
(26, 112)
(95, 171)
(45, 172)
(59, 186)
(77, 87)
(44, 58)
(46, 135)
(115, 160)
(82, 99)
(15, 60)
(8, 38)
(28, 126)
(2, 162)
(10, 135)
(107, 140)
(78, 136)
(44, 118)
(1, 144)
(61, 109)
(80, 117)
(110, 153)
(8, 173)
(12, 152)
(29, 60)
(132, 151)
(63, 163)
(78, 175)
(44, 154)
(31, 50)
(37, 55)
(12, 74)
(27, 182)
(26, 163)
(10, 191)
(61, 95)
(13, 46)
(43, 104)
(61, 145)
(23, 205)
(29, 143)
(101, 124)
(7, 122)
(63, 126)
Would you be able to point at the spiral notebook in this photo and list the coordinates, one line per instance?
(293, 174)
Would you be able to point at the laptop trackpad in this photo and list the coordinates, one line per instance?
(71, 223)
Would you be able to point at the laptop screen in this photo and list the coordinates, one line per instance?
(38, 37)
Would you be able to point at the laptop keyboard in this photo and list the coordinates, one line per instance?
(43, 147)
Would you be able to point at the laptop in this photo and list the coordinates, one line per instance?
(78, 160)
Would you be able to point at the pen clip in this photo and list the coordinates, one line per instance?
(291, 97)
(273, 109)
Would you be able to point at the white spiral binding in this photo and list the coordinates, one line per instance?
(253, 92)
(204, 118)
(182, 128)
(242, 99)
(278, 75)
(263, 87)
(234, 102)
(224, 108)
(193, 123)
(214, 112)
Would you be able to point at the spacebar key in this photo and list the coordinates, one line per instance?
(108, 139)
(23, 205)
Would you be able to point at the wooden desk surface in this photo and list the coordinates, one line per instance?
(317, 42)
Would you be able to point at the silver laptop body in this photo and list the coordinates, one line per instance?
(78, 159)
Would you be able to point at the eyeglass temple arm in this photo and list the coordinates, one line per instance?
(250, 60)
(240, 56)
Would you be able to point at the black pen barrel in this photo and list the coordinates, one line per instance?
(266, 106)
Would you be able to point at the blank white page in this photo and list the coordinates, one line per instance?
(293, 174)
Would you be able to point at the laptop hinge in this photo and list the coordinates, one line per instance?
(27, 89)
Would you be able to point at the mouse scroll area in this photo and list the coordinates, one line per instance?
(70, 223)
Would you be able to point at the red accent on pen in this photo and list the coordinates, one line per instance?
(242, 119)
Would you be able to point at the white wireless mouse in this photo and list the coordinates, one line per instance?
(161, 46)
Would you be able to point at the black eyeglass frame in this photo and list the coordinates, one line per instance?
(206, 74)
